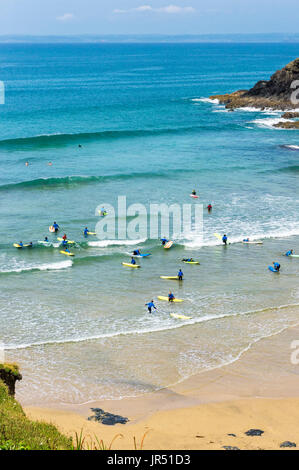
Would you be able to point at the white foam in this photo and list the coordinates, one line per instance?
(205, 100)
(293, 147)
(158, 328)
(105, 243)
(42, 267)
(269, 122)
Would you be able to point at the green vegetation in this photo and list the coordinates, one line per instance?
(17, 432)
(10, 368)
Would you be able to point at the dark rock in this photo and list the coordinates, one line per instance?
(287, 124)
(200, 437)
(232, 435)
(109, 419)
(254, 432)
(230, 448)
(288, 444)
(290, 115)
(274, 93)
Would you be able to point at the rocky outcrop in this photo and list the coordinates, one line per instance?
(9, 374)
(275, 93)
(290, 115)
(287, 125)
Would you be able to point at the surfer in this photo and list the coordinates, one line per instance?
(56, 227)
(133, 261)
(164, 241)
(46, 239)
(210, 207)
(64, 237)
(171, 297)
(224, 239)
(289, 253)
(246, 240)
(27, 163)
(21, 244)
(64, 243)
(150, 305)
(193, 192)
(136, 253)
(86, 232)
(276, 266)
(180, 275)
(189, 260)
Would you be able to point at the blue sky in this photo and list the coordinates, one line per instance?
(147, 16)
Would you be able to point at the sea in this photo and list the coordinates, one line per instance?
(136, 120)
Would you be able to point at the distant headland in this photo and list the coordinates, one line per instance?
(278, 93)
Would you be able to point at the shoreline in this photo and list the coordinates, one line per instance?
(259, 390)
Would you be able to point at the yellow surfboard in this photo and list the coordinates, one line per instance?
(191, 262)
(160, 297)
(66, 253)
(71, 242)
(129, 265)
(180, 317)
(91, 233)
(170, 278)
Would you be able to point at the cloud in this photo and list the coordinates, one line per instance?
(172, 9)
(65, 17)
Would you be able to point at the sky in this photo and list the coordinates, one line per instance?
(56, 17)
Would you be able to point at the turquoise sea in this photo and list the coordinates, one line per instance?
(78, 327)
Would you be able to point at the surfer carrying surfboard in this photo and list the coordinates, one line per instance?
(289, 253)
(224, 239)
(56, 227)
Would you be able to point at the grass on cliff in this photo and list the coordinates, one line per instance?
(10, 368)
(17, 432)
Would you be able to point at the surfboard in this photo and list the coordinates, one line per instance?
(16, 245)
(70, 242)
(170, 278)
(180, 317)
(91, 233)
(146, 255)
(129, 265)
(51, 229)
(66, 253)
(194, 196)
(168, 245)
(272, 269)
(217, 235)
(257, 242)
(160, 297)
(191, 262)
(293, 256)
(42, 242)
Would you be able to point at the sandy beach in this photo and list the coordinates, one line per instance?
(211, 410)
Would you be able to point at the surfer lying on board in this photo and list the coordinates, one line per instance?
(103, 212)
(289, 253)
(164, 241)
(189, 260)
(150, 305)
(246, 240)
(56, 226)
(180, 275)
(67, 250)
(276, 266)
(224, 239)
(136, 253)
(171, 297)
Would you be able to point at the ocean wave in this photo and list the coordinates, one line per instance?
(142, 331)
(106, 243)
(198, 243)
(60, 140)
(71, 181)
(291, 147)
(42, 267)
(270, 123)
(204, 100)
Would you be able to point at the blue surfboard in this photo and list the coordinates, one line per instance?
(272, 269)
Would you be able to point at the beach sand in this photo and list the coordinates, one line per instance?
(259, 391)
